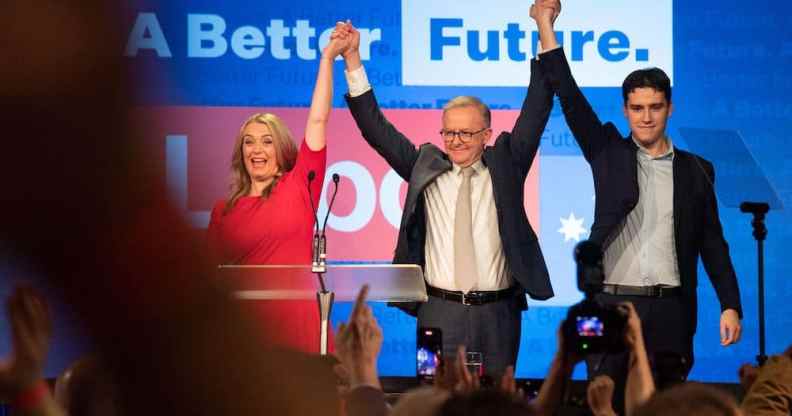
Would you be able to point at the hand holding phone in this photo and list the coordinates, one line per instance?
(429, 350)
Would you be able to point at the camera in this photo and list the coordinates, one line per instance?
(592, 327)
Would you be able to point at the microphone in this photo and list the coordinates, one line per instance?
(315, 244)
(754, 207)
(336, 178)
(322, 239)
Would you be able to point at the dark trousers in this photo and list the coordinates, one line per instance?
(492, 329)
(668, 340)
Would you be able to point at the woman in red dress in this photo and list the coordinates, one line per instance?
(268, 216)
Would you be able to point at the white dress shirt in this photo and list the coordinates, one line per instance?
(440, 197)
(643, 250)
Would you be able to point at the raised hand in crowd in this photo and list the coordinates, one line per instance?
(454, 376)
(599, 395)
(21, 374)
(640, 385)
(358, 343)
(553, 388)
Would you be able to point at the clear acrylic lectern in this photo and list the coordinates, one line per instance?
(387, 283)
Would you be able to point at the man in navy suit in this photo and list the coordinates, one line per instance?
(464, 220)
(655, 213)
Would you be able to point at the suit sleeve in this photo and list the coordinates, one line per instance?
(714, 250)
(398, 150)
(527, 132)
(592, 136)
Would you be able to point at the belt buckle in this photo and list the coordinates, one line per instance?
(472, 298)
(465, 299)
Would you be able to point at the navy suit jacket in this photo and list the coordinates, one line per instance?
(508, 161)
(614, 165)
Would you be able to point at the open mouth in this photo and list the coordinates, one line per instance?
(258, 162)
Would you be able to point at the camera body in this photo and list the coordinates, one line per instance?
(594, 328)
(590, 326)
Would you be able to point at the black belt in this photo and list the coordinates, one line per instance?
(648, 291)
(471, 298)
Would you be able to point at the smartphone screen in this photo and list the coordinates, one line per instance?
(590, 326)
(428, 351)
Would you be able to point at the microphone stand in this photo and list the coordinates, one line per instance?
(758, 210)
(324, 297)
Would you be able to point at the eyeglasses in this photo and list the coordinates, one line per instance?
(464, 136)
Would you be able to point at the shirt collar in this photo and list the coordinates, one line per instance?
(478, 167)
(669, 153)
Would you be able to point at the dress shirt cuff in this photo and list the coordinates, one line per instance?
(357, 81)
(540, 52)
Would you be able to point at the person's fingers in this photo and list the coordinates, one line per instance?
(20, 319)
(360, 303)
(462, 374)
(724, 332)
(39, 321)
(344, 337)
(731, 333)
(377, 331)
(737, 333)
(630, 308)
(520, 393)
(441, 379)
(341, 372)
(508, 383)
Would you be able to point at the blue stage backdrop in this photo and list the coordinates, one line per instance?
(728, 60)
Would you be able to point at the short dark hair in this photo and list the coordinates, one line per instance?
(654, 78)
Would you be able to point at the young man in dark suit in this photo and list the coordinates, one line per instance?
(655, 213)
(464, 220)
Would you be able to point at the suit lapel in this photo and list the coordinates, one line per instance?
(431, 163)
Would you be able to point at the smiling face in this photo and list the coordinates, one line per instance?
(647, 111)
(259, 152)
(467, 119)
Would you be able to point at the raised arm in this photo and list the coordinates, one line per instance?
(322, 101)
(640, 384)
(534, 113)
(589, 132)
(551, 394)
(358, 345)
(379, 133)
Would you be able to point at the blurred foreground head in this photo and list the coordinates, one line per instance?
(87, 388)
(82, 207)
(486, 402)
(690, 399)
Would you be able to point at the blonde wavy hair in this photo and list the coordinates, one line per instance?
(285, 157)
